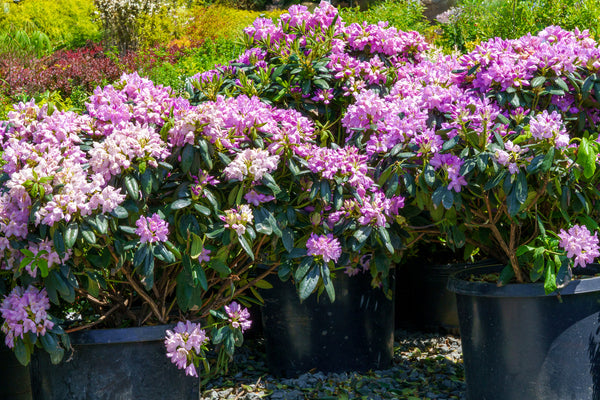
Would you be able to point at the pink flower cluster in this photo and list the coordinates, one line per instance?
(152, 229)
(185, 346)
(579, 244)
(251, 163)
(25, 311)
(325, 246)
(238, 317)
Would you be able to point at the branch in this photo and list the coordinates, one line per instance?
(144, 295)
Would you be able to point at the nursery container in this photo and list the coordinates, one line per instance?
(14, 378)
(115, 364)
(519, 343)
(354, 333)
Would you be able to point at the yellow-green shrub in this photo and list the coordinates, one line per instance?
(66, 22)
(220, 21)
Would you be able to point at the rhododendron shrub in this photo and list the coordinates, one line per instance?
(132, 211)
(499, 146)
(496, 148)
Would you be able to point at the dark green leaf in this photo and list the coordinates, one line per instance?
(495, 181)
(303, 268)
(520, 188)
(59, 243)
(287, 237)
(71, 233)
(309, 283)
(131, 186)
(181, 203)
(187, 158)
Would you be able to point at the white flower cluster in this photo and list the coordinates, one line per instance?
(120, 17)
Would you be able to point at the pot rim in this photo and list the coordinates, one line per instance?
(120, 335)
(458, 285)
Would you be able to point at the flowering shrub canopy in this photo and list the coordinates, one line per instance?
(322, 149)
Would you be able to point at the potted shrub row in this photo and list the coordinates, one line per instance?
(324, 151)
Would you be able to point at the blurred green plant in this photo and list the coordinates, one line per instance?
(474, 21)
(406, 15)
(66, 23)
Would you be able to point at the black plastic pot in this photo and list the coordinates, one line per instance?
(14, 377)
(519, 343)
(427, 304)
(354, 333)
(115, 364)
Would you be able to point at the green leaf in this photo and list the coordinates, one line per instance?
(520, 188)
(59, 243)
(140, 255)
(197, 246)
(246, 246)
(180, 204)
(495, 181)
(71, 233)
(146, 182)
(120, 212)
(326, 274)
(548, 160)
(385, 238)
(22, 353)
(586, 88)
(88, 234)
(538, 81)
(202, 209)
(287, 237)
(303, 268)
(448, 144)
(362, 233)
(187, 158)
(512, 203)
(309, 283)
(506, 275)
(220, 267)
(549, 277)
(131, 186)
(586, 157)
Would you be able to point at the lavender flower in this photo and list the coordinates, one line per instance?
(325, 246)
(185, 346)
(153, 229)
(579, 243)
(255, 198)
(238, 317)
(23, 312)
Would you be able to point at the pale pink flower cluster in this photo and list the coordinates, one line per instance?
(325, 246)
(185, 346)
(237, 219)
(510, 156)
(549, 126)
(579, 244)
(25, 311)
(127, 145)
(238, 317)
(251, 163)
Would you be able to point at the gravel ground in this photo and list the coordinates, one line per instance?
(425, 366)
